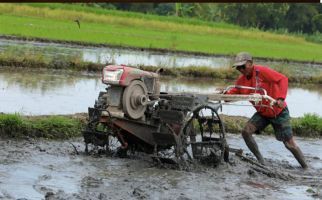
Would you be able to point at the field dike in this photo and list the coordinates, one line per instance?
(69, 126)
(49, 127)
(31, 61)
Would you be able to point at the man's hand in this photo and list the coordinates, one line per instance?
(220, 90)
(280, 103)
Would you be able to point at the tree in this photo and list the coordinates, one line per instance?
(184, 9)
(299, 17)
(260, 15)
(317, 23)
(143, 7)
(165, 9)
(206, 11)
(271, 15)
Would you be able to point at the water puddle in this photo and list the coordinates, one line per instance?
(297, 193)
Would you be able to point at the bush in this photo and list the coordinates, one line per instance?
(308, 126)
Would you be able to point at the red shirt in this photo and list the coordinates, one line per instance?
(274, 83)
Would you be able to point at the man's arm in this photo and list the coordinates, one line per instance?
(235, 90)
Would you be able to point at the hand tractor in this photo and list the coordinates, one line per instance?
(133, 115)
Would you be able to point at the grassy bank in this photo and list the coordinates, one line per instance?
(31, 60)
(50, 127)
(63, 127)
(146, 31)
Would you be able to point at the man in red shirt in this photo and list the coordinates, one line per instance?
(276, 85)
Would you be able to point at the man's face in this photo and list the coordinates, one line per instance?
(246, 69)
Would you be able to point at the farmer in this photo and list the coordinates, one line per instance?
(276, 85)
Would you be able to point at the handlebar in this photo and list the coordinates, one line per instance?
(252, 97)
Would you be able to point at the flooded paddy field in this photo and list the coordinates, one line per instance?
(52, 170)
(138, 57)
(44, 92)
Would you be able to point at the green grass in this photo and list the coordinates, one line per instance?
(63, 127)
(147, 31)
(309, 125)
(15, 57)
(50, 127)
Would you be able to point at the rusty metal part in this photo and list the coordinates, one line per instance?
(137, 129)
(134, 99)
(121, 139)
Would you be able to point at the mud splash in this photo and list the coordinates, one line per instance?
(52, 170)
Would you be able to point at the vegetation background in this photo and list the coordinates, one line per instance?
(299, 18)
(265, 30)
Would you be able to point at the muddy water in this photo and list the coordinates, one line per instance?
(62, 92)
(35, 169)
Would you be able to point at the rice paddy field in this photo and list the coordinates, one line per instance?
(99, 26)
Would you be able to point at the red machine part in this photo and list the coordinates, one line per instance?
(129, 74)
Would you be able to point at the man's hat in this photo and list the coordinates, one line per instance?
(242, 58)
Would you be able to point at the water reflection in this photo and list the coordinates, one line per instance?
(64, 92)
(144, 58)
(43, 80)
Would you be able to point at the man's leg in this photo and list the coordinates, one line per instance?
(247, 134)
(296, 151)
(284, 132)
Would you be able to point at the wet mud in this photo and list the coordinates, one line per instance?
(40, 169)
